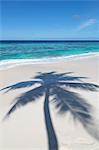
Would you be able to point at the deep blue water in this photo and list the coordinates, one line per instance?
(38, 50)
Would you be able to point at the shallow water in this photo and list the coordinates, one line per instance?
(39, 50)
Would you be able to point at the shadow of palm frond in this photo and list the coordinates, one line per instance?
(26, 98)
(20, 85)
(57, 85)
(67, 101)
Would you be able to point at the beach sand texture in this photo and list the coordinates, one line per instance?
(25, 128)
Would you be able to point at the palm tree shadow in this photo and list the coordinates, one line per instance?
(57, 85)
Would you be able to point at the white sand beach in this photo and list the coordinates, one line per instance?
(25, 128)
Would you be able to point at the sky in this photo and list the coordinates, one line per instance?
(37, 20)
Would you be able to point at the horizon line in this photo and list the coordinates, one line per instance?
(53, 40)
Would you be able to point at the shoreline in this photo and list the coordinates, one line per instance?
(11, 63)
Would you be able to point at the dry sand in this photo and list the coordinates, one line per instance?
(25, 128)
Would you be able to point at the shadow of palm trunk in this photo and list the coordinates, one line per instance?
(52, 139)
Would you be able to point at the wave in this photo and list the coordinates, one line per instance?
(5, 64)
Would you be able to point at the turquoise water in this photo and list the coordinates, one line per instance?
(38, 50)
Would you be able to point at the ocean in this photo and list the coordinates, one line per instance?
(18, 52)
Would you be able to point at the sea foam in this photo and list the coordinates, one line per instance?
(5, 64)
